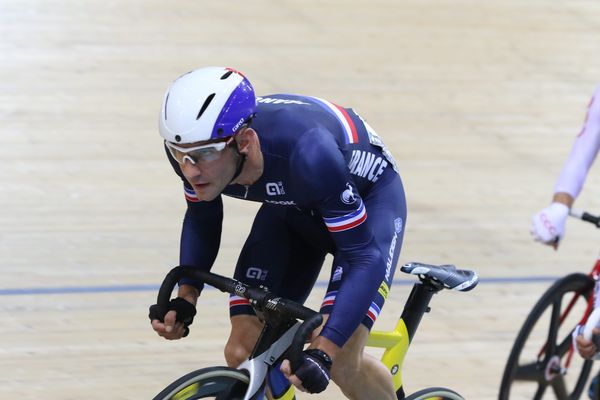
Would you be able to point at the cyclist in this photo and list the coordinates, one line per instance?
(548, 225)
(327, 185)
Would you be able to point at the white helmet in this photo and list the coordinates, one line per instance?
(205, 104)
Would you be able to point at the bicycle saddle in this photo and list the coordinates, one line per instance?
(449, 276)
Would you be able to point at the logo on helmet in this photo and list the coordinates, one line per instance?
(348, 196)
(237, 126)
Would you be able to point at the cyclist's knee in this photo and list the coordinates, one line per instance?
(235, 354)
(245, 330)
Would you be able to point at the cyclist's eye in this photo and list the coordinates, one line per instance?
(177, 155)
(208, 154)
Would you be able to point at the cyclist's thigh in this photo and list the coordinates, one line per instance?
(386, 210)
(310, 243)
(264, 255)
(277, 255)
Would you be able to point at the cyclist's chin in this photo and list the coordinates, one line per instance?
(207, 191)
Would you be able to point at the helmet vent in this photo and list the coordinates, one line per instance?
(226, 75)
(205, 105)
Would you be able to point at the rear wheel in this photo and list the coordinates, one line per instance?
(435, 393)
(542, 363)
(219, 383)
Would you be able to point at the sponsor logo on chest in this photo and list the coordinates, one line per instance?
(276, 189)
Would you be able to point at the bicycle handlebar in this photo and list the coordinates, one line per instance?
(585, 216)
(257, 296)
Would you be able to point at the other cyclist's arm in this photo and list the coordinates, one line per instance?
(548, 225)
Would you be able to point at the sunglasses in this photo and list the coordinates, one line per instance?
(203, 153)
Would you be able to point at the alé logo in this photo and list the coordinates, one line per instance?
(275, 188)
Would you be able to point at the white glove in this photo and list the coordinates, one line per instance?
(548, 225)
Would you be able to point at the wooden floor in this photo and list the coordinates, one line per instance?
(478, 100)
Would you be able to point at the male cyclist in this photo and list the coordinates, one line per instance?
(327, 184)
(548, 225)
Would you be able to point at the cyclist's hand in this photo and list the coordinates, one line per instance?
(313, 375)
(170, 328)
(548, 225)
(587, 348)
(175, 323)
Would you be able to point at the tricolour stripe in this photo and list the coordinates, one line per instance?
(347, 221)
(373, 312)
(190, 195)
(343, 117)
(238, 301)
(329, 299)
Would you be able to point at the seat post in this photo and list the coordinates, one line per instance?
(417, 305)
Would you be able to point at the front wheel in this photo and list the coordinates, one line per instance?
(435, 393)
(217, 383)
(542, 363)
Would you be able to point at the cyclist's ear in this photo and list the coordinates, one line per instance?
(247, 141)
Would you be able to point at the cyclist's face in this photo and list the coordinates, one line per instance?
(209, 178)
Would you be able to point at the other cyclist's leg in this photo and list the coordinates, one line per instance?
(261, 262)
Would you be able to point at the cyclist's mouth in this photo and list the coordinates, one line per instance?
(200, 186)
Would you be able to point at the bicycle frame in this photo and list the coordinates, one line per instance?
(258, 365)
(397, 341)
(283, 336)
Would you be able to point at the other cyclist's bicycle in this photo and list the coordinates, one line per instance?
(543, 360)
(283, 337)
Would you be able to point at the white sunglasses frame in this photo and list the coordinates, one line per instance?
(219, 146)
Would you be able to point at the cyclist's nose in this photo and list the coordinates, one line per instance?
(189, 168)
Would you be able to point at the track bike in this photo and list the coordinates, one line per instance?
(283, 336)
(543, 362)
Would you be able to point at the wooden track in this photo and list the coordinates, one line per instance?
(479, 102)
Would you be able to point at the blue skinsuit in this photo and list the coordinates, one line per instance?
(329, 186)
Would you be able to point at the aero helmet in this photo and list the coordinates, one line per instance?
(206, 104)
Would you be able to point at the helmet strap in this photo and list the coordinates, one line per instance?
(240, 163)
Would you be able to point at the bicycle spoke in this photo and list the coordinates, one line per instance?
(564, 346)
(560, 390)
(540, 391)
(530, 372)
(553, 329)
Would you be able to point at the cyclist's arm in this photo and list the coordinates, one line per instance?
(322, 168)
(200, 235)
(584, 151)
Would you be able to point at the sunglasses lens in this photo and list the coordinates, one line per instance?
(177, 155)
(208, 154)
(204, 154)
